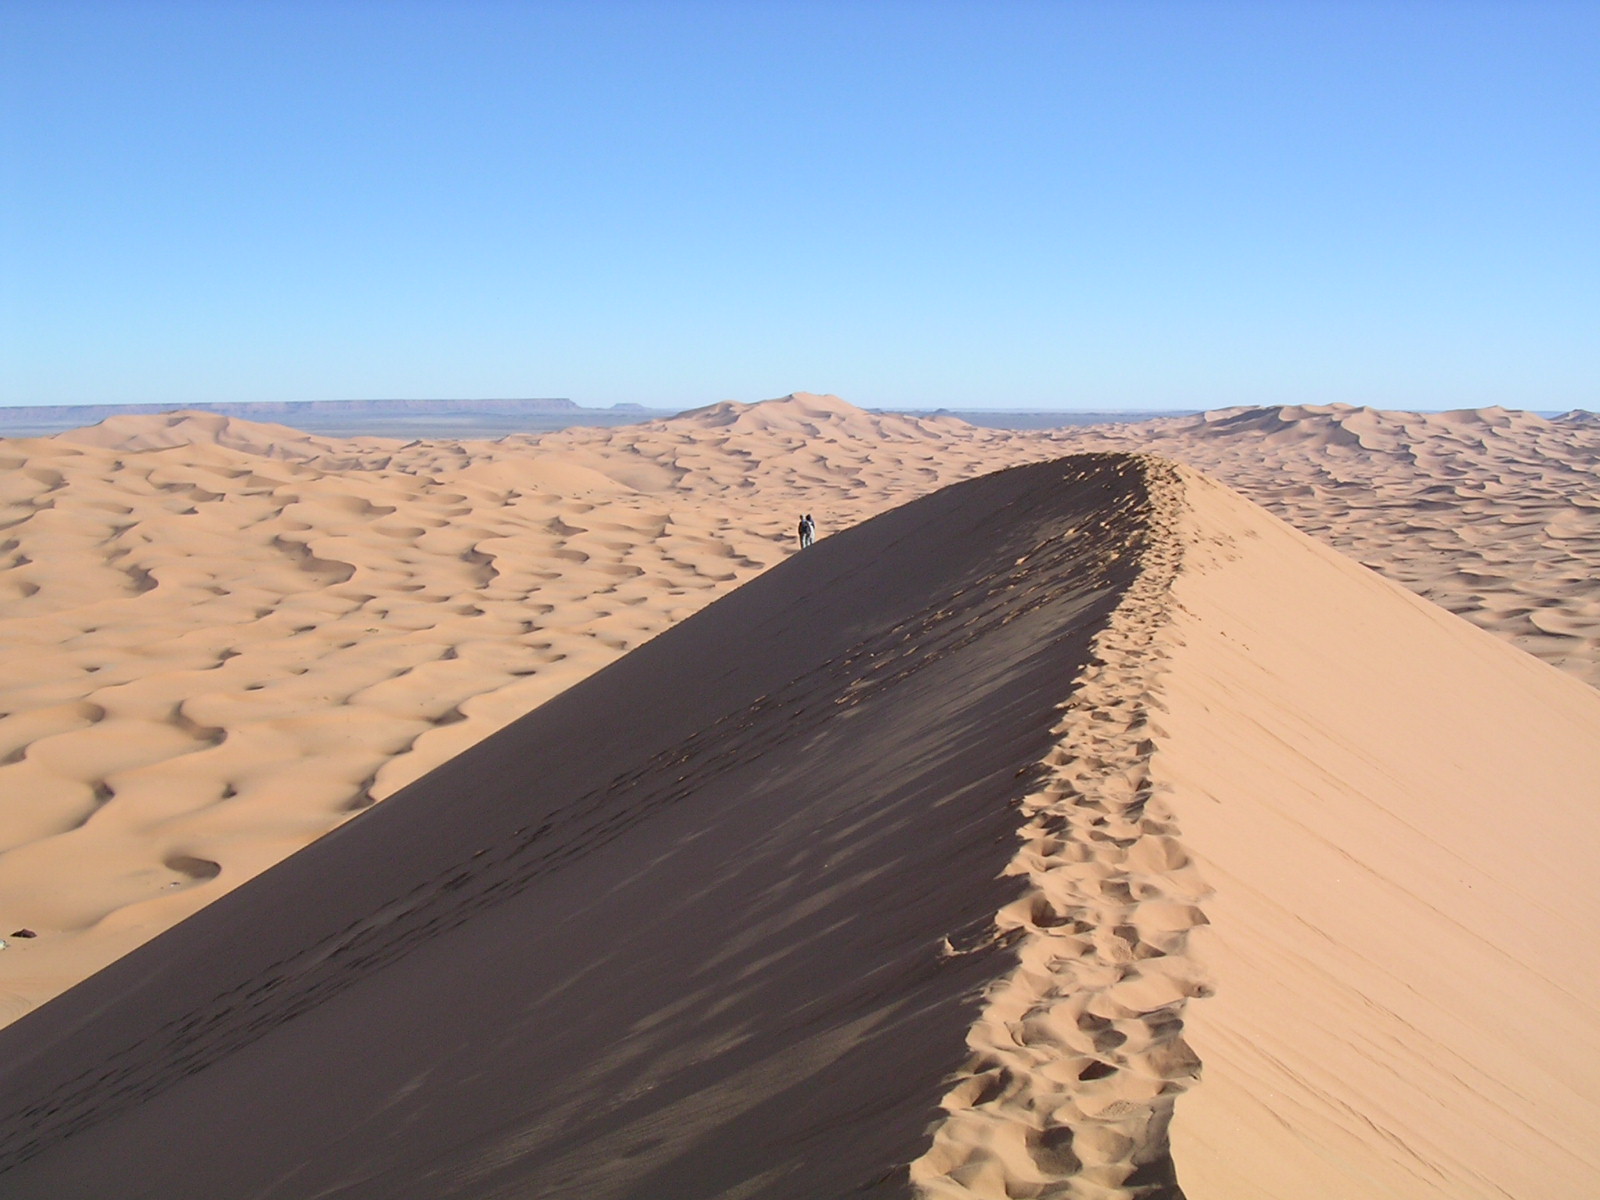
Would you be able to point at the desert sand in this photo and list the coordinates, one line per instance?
(224, 640)
(1397, 815)
(1494, 515)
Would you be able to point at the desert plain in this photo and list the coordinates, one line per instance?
(1204, 806)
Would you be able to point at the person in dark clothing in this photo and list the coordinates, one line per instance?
(808, 531)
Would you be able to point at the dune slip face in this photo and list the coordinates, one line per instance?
(1400, 816)
(719, 920)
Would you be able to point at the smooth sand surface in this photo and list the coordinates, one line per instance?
(222, 640)
(1399, 816)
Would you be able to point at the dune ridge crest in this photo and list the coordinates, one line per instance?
(813, 416)
(192, 427)
(1078, 1056)
(1338, 810)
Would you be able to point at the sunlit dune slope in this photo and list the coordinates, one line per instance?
(1400, 816)
(713, 921)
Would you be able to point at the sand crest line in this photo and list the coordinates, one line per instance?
(1078, 1055)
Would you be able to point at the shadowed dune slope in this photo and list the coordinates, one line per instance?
(713, 922)
(219, 639)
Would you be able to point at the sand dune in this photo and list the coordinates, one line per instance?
(1398, 815)
(959, 855)
(222, 638)
(686, 929)
(1494, 515)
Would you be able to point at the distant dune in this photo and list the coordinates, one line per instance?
(224, 639)
(1492, 514)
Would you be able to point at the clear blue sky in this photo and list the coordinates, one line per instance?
(1091, 205)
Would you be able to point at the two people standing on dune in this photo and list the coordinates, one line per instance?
(808, 531)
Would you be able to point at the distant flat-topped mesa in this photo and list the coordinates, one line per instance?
(255, 409)
(443, 417)
(1079, 830)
